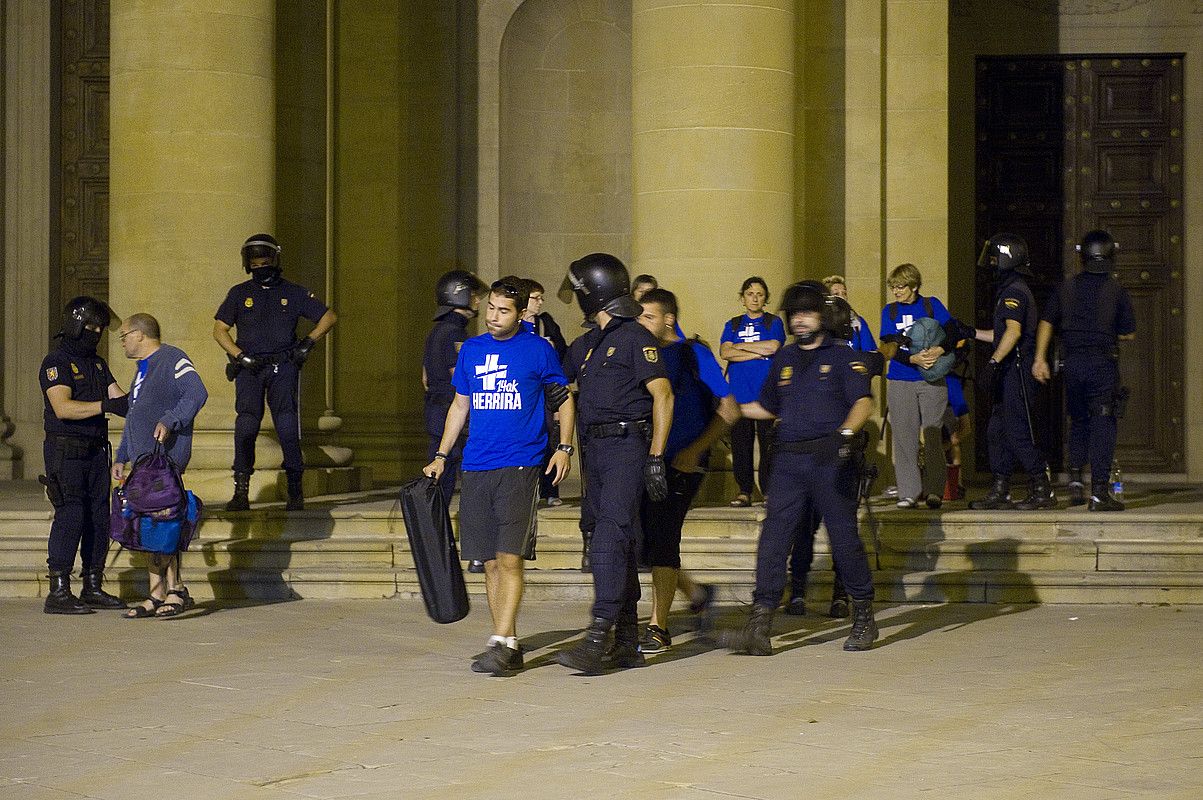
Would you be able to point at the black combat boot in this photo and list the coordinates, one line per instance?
(242, 489)
(1040, 494)
(589, 653)
(1077, 491)
(864, 626)
(753, 639)
(93, 595)
(1101, 499)
(60, 600)
(998, 498)
(625, 653)
(586, 551)
(296, 493)
(839, 602)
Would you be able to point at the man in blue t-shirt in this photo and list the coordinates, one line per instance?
(499, 382)
(747, 345)
(697, 382)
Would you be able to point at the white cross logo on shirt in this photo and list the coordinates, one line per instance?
(906, 322)
(491, 371)
(749, 334)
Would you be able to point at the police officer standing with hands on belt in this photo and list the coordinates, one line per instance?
(266, 360)
(1093, 313)
(626, 406)
(1011, 437)
(79, 390)
(820, 392)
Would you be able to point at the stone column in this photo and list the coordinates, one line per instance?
(192, 175)
(713, 142)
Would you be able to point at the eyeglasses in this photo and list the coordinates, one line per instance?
(122, 336)
(508, 289)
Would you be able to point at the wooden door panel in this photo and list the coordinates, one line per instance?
(1133, 169)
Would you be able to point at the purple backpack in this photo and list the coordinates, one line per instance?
(154, 484)
(152, 511)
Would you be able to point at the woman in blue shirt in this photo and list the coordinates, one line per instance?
(862, 337)
(748, 344)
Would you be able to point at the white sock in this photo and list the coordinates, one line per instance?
(496, 640)
(511, 642)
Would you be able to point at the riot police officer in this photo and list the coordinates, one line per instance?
(626, 409)
(1011, 437)
(819, 390)
(266, 360)
(78, 390)
(457, 294)
(1093, 313)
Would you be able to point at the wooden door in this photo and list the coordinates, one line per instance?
(1067, 144)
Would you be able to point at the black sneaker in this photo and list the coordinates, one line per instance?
(655, 640)
(499, 659)
(476, 567)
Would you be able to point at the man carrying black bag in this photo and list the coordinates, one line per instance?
(501, 377)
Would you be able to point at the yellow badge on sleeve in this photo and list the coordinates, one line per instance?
(52, 374)
(824, 369)
(1011, 303)
(859, 367)
(787, 375)
(651, 355)
(249, 302)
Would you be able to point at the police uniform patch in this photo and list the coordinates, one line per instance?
(249, 302)
(824, 369)
(52, 374)
(609, 352)
(1011, 303)
(283, 301)
(859, 367)
(651, 355)
(787, 375)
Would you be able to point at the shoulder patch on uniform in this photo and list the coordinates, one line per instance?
(651, 355)
(609, 352)
(52, 374)
(787, 374)
(1011, 303)
(824, 369)
(283, 301)
(249, 302)
(859, 367)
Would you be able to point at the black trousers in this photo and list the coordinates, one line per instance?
(803, 554)
(436, 406)
(81, 517)
(615, 484)
(280, 385)
(661, 522)
(1090, 384)
(829, 487)
(1010, 438)
(743, 434)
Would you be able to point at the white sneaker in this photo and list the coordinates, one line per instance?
(907, 502)
(891, 491)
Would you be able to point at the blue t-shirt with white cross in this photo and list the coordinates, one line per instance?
(503, 381)
(746, 377)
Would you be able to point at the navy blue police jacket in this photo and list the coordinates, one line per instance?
(611, 366)
(1014, 301)
(442, 349)
(88, 377)
(811, 391)
(266, 317)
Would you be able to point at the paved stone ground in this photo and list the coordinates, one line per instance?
(369, 699)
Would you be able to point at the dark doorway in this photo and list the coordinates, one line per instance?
(1066, 144)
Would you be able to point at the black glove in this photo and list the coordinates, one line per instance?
(249, 362)
(987, 379)
(233, 367)
(655, 478)
(301, 350)
(555, 394)
(846, 447)
(115, 405)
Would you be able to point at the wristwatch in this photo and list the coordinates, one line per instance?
(441, 455)
(565, 448)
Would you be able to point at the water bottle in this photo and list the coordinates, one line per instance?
(1117, 481)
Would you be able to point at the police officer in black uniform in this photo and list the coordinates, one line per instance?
(1093, 313)
(819, 390)
(457, 294)
(626, 409)
(1007, 378)
(78, 390)
(266, 360)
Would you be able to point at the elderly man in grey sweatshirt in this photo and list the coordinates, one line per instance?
(165, 395)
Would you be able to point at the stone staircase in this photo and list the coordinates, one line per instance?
(356, 546)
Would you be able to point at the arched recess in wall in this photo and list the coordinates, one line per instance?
(565, 137)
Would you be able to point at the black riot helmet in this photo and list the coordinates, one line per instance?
(1005, 252)
(455, 289)
(806, 296)
(1097, 251)
(83, 311)
(838, 318)
(261, 245)
(600, 282)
